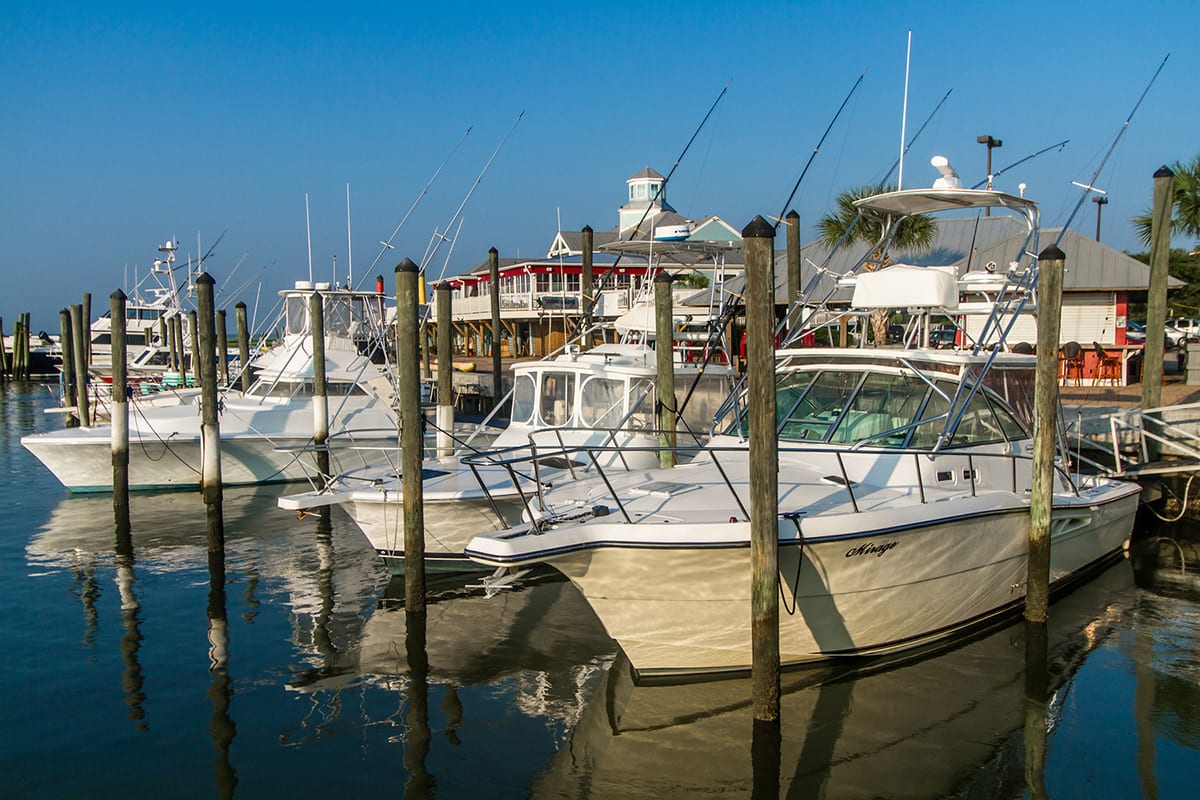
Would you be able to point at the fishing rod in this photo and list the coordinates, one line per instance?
(387, 244)
(998, 173)
(817, 149)
(1090, 187)
(439, 237)
(585, 318)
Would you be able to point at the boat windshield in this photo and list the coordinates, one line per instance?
(882, 409)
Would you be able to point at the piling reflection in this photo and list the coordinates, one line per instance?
(132, 680)
(416, 749)
(1037, 684)
(943, 724)
(221, 726)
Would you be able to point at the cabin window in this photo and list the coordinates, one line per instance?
(883, 403)
(297, 314)
(602, 402)
(558, 390)
(819, 409)
(643, 397)
(337, 315)
(523, 396)
(978, 424)
(925, 436)
(1013, 430)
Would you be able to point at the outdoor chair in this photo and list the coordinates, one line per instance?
(1070, 363)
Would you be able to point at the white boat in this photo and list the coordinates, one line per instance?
(602, 396)
(904, 499)
(266, 434)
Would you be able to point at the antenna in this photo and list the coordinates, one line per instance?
(308, 230)
(904, 114)
(349, 245)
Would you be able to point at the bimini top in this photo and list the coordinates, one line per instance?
(924, 201)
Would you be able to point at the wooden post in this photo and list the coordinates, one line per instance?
(87, 322)
(664, 359)
(169, 343)
(193, 331)
(80, 364)
(316, 318)
(19, 335)
(1156, 297)
(793, 256)
(3, 354)
(210, 430)
(66, 343)
(119, 408)
(587, 289)
(759, 242)
(445, 384)
(243, 335)
(1045, 410)
(411, 439)
(494, 281)
(222, 347)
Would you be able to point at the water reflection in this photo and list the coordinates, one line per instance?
(927, 729)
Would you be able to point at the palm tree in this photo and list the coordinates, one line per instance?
(1185, 217)
(916, 233)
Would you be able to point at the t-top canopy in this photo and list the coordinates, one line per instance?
(924, 201)
(904, 286)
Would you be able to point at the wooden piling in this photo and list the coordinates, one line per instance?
(1156, 297)
(223, 347)
(67, 346)
(411, 438)
(26, 335)
(587, 288)
(664, 359)
(3, 354)
(80, 363)
(758, 239)
(119, 406)
(243, 336)
(19, 336)
(316, 318)
(193, 330)
(792, 219)
(445, 384)
(210, 431)
(494, 282)
(1037, 696)
(1045, 409)
(87, 330)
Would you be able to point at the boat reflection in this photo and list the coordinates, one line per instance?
(944, 724)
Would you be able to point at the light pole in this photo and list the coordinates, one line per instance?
(1101, 201)
(991, 143)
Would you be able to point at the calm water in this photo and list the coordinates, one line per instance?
(138, 670)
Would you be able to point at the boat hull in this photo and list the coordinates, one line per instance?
(678, 610)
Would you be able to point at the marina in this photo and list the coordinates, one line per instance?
(132, 675)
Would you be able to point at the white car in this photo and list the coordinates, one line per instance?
(1179, 329)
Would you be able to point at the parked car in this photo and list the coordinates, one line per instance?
(895, 333)
(1135, 331)
(1180, 329)
(943, 337)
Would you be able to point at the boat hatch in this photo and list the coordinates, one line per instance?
(664, 488)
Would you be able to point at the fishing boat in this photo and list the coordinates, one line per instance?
(903, 483)
(266, 433)
(597, 397)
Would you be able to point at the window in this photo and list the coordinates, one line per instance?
(819, 408)
(883, 403)
(522, 402)
(602, 402)
(558, 391)
(978, 424)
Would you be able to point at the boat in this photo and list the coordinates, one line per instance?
(904, 491)
(266, 433)
(601, 396)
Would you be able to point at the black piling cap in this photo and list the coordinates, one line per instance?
(586, 229)
(1164, 172)
(1052, 253)
(117, 295)
(758, 228)
(206, 279)
(442, 286)
(240, 304)
(664, 277)
(407, 265)
(791, 215)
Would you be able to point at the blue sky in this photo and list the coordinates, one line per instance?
(130, 124)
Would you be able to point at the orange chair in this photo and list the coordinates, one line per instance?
(1108, 366)
(1070, 363)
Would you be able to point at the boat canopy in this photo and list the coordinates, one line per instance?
(906, 202)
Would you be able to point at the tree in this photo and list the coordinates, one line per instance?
(916, 234)
(1185, 208)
